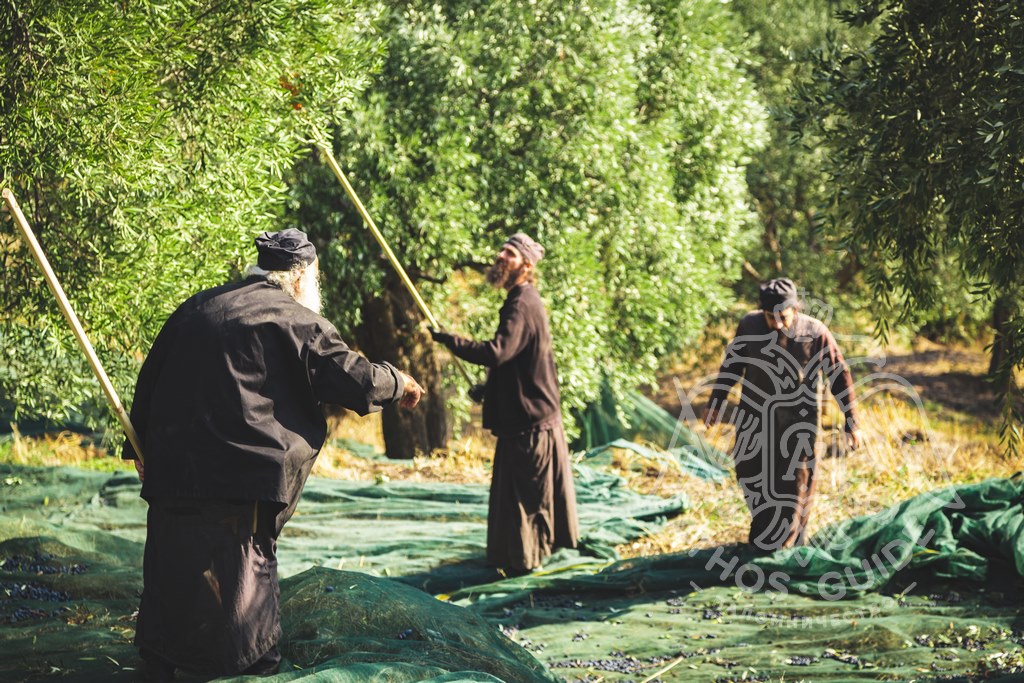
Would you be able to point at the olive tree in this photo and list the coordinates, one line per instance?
(615, 133)
(787, 178)
(147, 143)
(925, 139)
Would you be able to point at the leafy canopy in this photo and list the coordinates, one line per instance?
(926, 145)
(616, 133)
(147, 143)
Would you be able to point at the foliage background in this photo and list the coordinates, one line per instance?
(147, 142)
(922, 129)
(654, 147)
(616, 133)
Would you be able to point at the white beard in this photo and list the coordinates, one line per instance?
(307, 290)
(302, 286)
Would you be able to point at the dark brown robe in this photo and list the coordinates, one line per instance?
(778, 419)
(210, 603)
(532, 508)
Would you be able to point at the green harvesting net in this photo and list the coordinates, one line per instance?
(71, 551)
(927, 590)
(627, 424)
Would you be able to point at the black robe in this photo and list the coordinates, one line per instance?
(228, 408)
(532, 507)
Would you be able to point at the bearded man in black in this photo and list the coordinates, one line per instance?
(532, 508)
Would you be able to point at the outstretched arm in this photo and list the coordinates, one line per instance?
(510, 338)
(341, 376)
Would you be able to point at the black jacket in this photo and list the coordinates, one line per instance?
(521, 393)
(228, 403)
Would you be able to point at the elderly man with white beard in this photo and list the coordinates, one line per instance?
(229, 409)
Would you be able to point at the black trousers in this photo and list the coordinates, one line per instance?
(210, 595)
(775, 457)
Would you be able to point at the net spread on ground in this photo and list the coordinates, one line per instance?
(386, 582)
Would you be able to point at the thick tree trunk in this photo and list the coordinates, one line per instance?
(391, 331)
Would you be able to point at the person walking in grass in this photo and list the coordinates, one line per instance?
(780, 355)
(229, 409)
(532, 506)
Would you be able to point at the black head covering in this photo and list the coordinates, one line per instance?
(284, 250)
(778, 294)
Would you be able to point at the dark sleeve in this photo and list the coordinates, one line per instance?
(144, 385)
(839, 378)
(729, 372)
(511, 338)
(340, 376)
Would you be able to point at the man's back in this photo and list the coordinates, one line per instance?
(224, 401)
(228, 402)
(777, 363)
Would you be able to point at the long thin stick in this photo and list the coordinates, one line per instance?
(76, 326)
(333, 163)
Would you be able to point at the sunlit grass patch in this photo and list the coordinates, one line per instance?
(466, 460)
(65, 448)
(908, 450)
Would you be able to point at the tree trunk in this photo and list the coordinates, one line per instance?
(1003, 310)
(848, 271)
(771, 242)
(391, 331)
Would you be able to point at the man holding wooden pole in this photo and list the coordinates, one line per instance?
(532, 508)
(228, 407)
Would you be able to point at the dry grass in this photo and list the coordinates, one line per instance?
(466, 461)
(934, 430)
(65, 448)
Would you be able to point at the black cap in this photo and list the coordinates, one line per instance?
(284, 250)
(778, 294)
